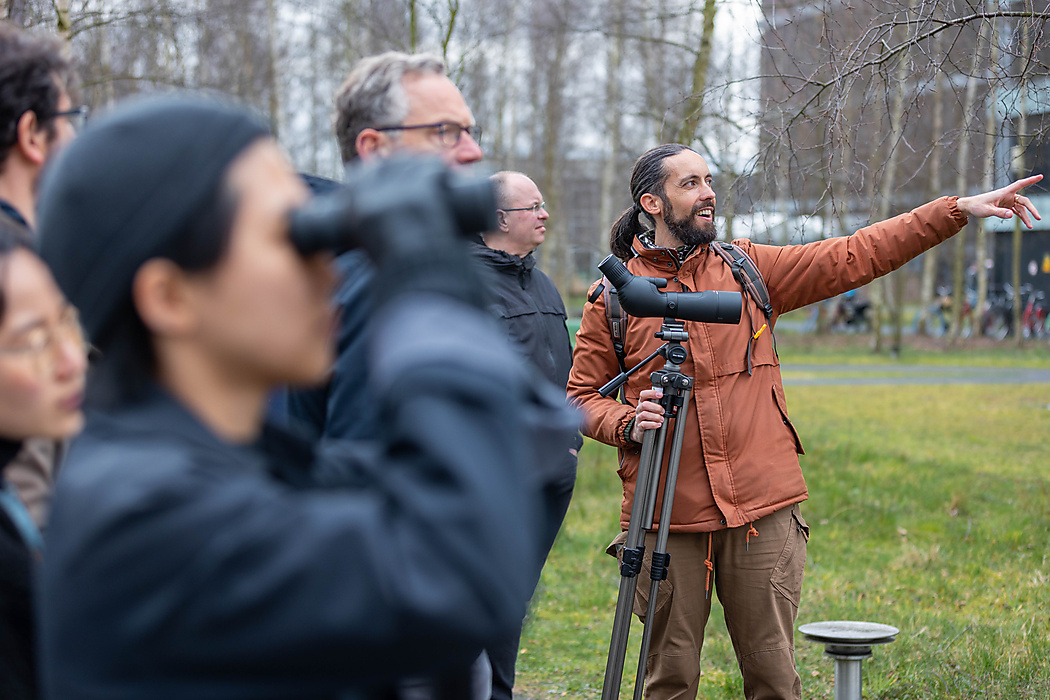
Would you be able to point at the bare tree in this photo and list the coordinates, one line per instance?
(959, 286)
(934, 187)
(701, 62)
(1019, 167)
(613, 123)
(823, 68)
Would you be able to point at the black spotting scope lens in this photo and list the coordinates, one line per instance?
(639, 296)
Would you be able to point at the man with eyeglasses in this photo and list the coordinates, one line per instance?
(401, 103)
(36, 118)
(532, 313)
(36, 121)
(390, 103)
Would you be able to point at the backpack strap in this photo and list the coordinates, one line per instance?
(750, 278)
(746, 273)
(616, 317)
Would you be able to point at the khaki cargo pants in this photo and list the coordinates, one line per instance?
(759, 584)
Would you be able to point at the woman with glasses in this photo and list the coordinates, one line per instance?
(42, 366)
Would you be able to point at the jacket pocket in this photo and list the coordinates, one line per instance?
(788, 573)
(628, 467)
(781, 402)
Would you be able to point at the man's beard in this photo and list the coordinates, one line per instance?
(686, 230)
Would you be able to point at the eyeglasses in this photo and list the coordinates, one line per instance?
(535, 208)
(77, 116)
(39, 343)
(448, 133)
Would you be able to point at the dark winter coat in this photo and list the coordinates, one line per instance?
(531, 310)
(337, 408)
(532, 313)
(182, 566)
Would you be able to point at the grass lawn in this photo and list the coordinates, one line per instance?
(930, 511)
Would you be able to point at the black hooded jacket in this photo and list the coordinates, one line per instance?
(182, 566)
(531, 310)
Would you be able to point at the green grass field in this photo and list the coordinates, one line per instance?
(930, 511)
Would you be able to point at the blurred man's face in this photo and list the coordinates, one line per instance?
(55, 134)
(62, 129)
(434, 99)
(525, 225)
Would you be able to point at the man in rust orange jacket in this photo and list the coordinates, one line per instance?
(736, 511)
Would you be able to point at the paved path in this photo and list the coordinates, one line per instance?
(815, 375)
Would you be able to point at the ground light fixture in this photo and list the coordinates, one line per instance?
(848, 643)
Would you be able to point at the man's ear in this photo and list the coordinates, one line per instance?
(162, 298)
(502, 221)
(372, 144)
(651, 204)
(31, 138)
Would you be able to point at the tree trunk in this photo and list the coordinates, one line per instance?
(929, 258)
(959, 266)
(553, 252)
(271, 56)
(695, 103)
(62, 23)
(1022, 137)
(614, 126)
(886, 188)
(413, 26)
(15, 12)
(988, 183)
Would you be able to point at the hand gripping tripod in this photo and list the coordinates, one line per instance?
(677, 389)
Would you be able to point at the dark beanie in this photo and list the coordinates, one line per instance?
(126, 188)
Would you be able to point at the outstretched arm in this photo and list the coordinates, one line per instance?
(1003, 202)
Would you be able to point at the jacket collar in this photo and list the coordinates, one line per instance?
(161, 416)
(504, 260)
(663, 257)
(7, 208)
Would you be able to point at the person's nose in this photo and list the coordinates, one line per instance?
(543, 214)
(467, 150)
(707, 191)
(70, 356)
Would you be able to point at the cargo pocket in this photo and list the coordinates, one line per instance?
(641, 591)
(787, 574)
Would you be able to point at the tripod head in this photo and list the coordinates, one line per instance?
(673, 333)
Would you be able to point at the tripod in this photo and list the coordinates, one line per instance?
(677, 389)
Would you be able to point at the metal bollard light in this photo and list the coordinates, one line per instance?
(848, 643)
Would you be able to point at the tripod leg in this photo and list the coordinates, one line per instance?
(633, 550)
(661, 559)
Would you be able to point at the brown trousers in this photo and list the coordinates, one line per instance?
(758, 582)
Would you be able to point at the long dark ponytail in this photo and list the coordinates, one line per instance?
(647, 177)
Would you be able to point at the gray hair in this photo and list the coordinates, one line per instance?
(372, 95)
